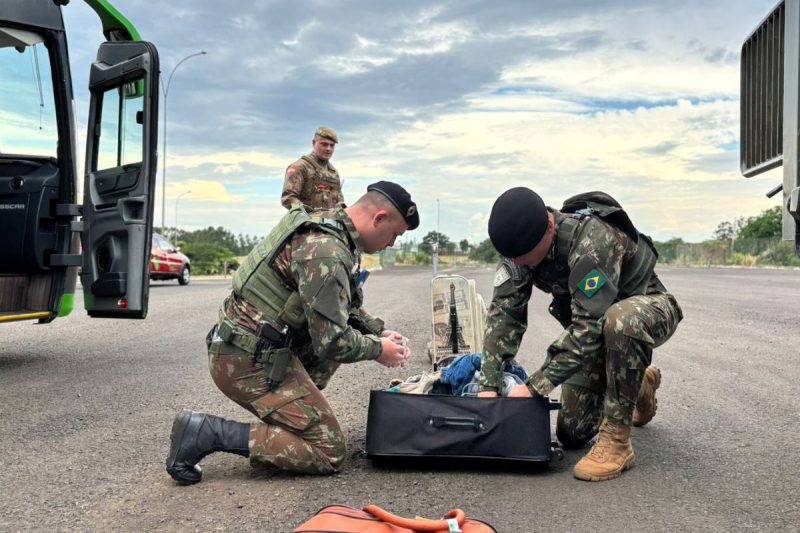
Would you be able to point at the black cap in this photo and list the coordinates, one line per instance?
(518, 221)
(400, 199)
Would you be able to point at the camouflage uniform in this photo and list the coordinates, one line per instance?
(612, 323)
(315, 264)
(312, 181)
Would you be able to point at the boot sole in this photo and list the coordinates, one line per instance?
(656, 384)
(627, 465)
(178, 472)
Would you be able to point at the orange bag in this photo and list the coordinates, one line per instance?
(373, 519)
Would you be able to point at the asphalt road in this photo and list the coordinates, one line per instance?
(86, 407)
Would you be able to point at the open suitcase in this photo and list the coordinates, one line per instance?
(444, 426)
(458, 427)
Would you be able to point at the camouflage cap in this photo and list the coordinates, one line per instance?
(400, 199)
(325, 131)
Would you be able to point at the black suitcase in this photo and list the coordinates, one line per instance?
(442, 426)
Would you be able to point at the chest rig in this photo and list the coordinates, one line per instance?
(322, 185)
(552, 276)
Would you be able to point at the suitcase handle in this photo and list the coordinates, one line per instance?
(457, 422)
(419, 525)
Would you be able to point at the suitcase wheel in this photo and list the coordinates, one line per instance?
(558, 453)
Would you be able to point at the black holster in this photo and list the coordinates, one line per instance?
(274, 353)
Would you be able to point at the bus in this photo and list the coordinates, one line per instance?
(49, 236)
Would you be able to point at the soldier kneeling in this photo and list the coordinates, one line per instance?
(293, 317)
(614, 310)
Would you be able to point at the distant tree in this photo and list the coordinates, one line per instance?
(724, 232)
(668, 251)
(485, 252)
(209, 257)
(450, 247)
(464, 245)
(728, 230)
(245, 243)
(767, 225)
(407, 245)
(431, 238)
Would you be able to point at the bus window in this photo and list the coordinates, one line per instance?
(27, 106)
(121, 138)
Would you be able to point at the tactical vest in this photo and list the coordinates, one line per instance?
(637, 271)
(259, 284)
(311, 194)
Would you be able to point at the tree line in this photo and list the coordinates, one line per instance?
(750, 241)
(743, 241)
(212, 250)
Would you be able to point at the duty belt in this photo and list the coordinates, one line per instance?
(268, 346)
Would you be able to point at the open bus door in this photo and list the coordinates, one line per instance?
(119, 179)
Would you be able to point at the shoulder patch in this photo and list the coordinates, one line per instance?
(514, 270)
(502, 275)
(591, 283)
(591, 287)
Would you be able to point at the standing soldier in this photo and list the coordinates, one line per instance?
(614, 309)
(293, 317)
(312, 180)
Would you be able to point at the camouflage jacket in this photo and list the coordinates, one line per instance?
(311, 181)
(322, 267)
(583, 288)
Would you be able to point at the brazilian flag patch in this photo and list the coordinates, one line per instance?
(591, 283)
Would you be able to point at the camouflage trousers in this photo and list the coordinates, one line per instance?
(298, 431)
(608, 385)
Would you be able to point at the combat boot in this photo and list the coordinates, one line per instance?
(195, 435)
(611, 454)
(646, 402)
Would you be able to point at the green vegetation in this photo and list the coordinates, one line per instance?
(754, 241)
(212, 250)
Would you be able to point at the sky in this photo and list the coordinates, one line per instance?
(456, 100)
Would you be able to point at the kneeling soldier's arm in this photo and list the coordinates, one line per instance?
(324, 288)
(595, 265)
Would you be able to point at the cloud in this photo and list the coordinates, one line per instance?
(210, 191)
(457, 100)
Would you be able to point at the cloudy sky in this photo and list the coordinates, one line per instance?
(457, 100)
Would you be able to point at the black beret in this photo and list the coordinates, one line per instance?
(518, 221)
(400, 199)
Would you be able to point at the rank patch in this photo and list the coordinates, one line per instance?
(591, 283)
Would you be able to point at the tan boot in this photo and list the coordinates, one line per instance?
(646, 403)
(611, 455)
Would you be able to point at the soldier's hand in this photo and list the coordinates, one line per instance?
(393, 354)
(520, 391)
(393, 335)
(487, 394)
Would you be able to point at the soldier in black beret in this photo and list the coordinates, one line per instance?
(294, 315)
(400, 198)
(614, 310)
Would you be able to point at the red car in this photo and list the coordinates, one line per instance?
(167, 262)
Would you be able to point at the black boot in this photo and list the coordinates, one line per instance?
(195, 435)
